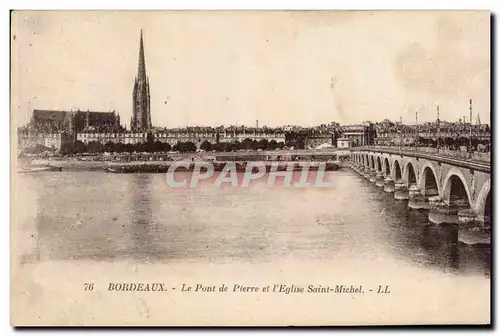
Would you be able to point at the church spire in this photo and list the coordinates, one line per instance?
(141, 112)
(141, 68)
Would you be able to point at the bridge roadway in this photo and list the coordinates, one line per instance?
(483, 166)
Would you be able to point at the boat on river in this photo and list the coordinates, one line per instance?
(240, 166)
(38, 169)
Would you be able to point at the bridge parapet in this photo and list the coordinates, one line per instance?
(460, 155)
(441, 157)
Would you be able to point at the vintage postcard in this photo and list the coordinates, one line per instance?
(250, 168)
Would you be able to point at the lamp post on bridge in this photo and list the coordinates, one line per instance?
(438, 129)
(416, 127)
(470, 124)
(400, 132)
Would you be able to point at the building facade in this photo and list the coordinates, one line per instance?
(103, 138)
(28, 141)
(230, 135)
(60, 129)
(344, 143)
(359, 135)
(72, 122)
(314, 141)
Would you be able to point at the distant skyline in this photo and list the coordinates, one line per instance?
(281, 68)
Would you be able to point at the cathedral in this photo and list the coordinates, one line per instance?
(141, 110)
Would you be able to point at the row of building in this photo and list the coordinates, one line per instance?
(63, 129)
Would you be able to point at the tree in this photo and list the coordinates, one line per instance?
(272, 145)
(255, 145)
(167, 147)
(206, 146)
(157, 146)
(189, 147)
(66, 148)
(109, 147)
(184, 147)
(120, 147)
(263, 143)
(295, 139)
(95, 147)
(80, 147)
(141, 147)
(247, 143)
(223, 147)
(129, 148)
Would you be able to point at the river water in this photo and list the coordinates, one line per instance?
(72, 228)
(99, 216)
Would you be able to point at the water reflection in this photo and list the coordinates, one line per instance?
(430, 245)
(142, 226)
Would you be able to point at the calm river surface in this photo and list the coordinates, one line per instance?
(106, 217)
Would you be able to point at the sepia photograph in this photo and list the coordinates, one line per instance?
(250, 168)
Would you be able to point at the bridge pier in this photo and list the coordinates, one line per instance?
(416, 200)
(388, 184)
(356, 167)
(442, 213)
(366, 173)
(434, 201)
(400, 190)
(471, 229)
(413, 190)
(450, 213)
(379, 179)
(359, 169)
(373, 174)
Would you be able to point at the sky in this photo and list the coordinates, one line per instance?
(280, 68)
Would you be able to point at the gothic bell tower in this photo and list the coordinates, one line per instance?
(141, 110)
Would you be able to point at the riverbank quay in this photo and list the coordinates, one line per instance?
(160, 161)
(180, 165)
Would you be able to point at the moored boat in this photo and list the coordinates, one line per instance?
(37, 169)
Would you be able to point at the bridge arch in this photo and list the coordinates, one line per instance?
(387, 167)
(379, 164)
(483, 202)
(428, 182)
(396, 169)
(455, 189)
(410, 176)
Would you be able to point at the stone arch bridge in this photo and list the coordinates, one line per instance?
(453, 190)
